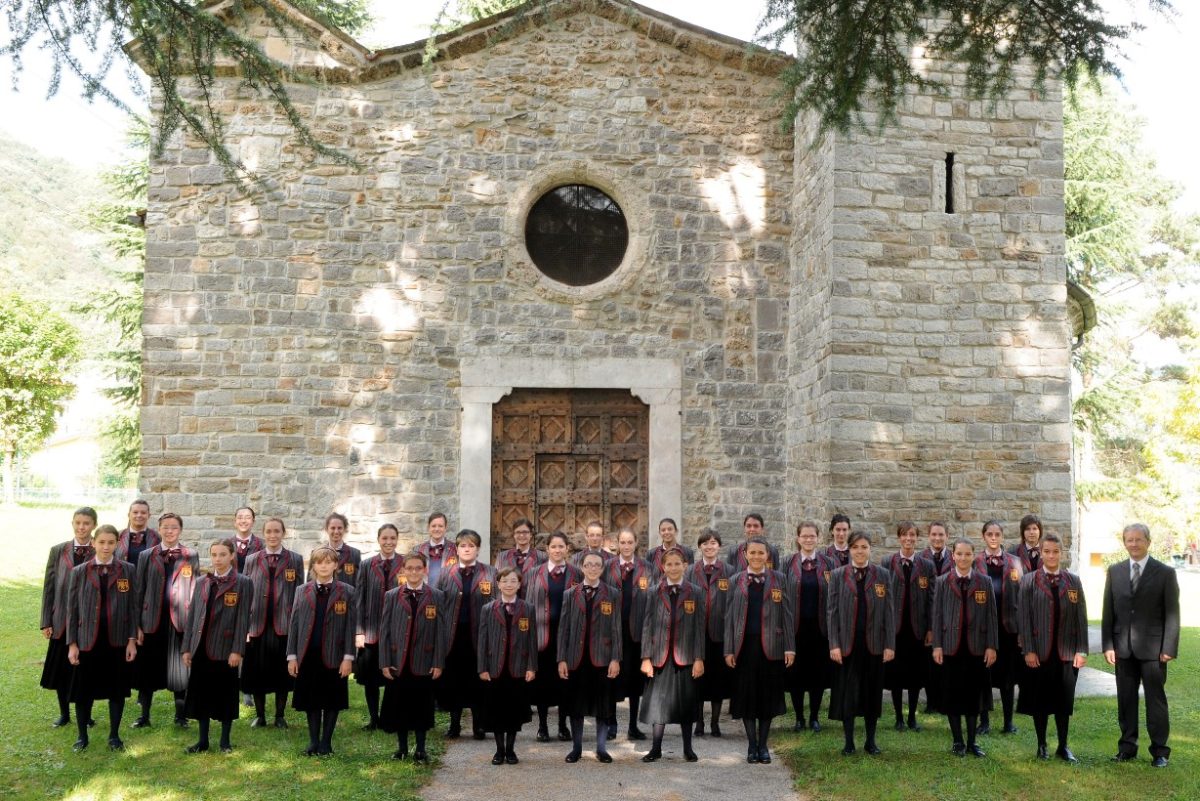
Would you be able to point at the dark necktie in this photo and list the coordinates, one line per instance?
(1033, 553)
(468, 575)
(272, 560)
(323, 589)
(411, 594)
(1137, 574)
(82, 550)
(963, 583)
(757, 578)
(627, 569)
(674, 591)
(135, 538)
(508, 609)
(1054, 580)
(710, 569)
(435, 551)
(171, 554)
(386, 564)
(519, 558)
(906, 564)
(860, 574)
(558, 572)
(588, 592)
(103, 571)
(808, 565)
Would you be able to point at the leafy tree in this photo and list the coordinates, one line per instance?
(38, 351)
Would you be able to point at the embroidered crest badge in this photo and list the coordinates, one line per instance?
(231, 599)
(981, 597)
(339, 607)
(523, 624)
(122, 585)
(723, 585)
(880, 590)
(430, 612)
(689, 607)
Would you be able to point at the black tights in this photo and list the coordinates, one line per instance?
(260, 705)
(320, 728)
(83, 714)
(1062, 724)
(577, 734)
(898, 705)
(146, 702)
(661, 728)
(957, 731)
(372, 695)
(814, 703)
(714, 719)
(64, 704)
(505, 741)
(869, 726)
(635, 701)
(1006, 704)
(226, 726)
(758, 731)
(402, 740)
(544, 713)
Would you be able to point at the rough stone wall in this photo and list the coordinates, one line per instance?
(302, 345)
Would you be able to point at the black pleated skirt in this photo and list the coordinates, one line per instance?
(934, 690)
(714, 684)
(505, 703)
(57, 670)
(589, 691)
(212, 690)
(265, 668)
(810, 671)
(458, 687)
(630, 682)
(908, 670)
(548, 688)
(1048, 689)
(407, 703)
(1009, 662)
(159, 664)
(857, 686)
(966, 689)
(757, 691)
(366, 667)
(102, 673)
(319, 688)
(671, 696)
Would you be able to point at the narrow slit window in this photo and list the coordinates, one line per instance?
(949, 183)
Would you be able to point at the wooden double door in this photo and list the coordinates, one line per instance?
(563, 458)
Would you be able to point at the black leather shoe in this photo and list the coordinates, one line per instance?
(751, 755)
(690, 756)
(872, 749)
(196, 748)
(62, 721)
(1122, 757)
(478, 734)
(698, 731)
(498, 758)
(1009, 729)
(420, 757)
(604, 756)
(814, 726)
(572, 757)
(564, 735)
(976, 751)
(280, 723)
(914, 726)
(715, 730)
(324, 750)
(984, 728)
(80, 745)
(652, 755)
(453, 733)
(849, 751)
(633, 734)
(1065, 755)
(900, 726)
(958, 749)
(612, 730)
(1159, 762)
(764, 756)
(1043, 752)
(798, 726)
(258, 723)
(141, 723)
(400, 753)
(543, 736)
(115, 744)
(510, 758)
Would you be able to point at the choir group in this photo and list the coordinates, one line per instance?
(545, 629)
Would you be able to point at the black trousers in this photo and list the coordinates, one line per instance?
(1152, 677)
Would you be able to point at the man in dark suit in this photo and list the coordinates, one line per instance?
(1140, 631)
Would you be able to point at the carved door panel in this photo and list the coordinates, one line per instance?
(564, 458)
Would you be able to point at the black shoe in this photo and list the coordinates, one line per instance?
(63, 720)
(715, 730)
(258, 723)
(510, 758)
(900, 726)
(872, 749)
(764, 756)
(975, 750)
(80, 745)
(400, 753)
(1065, 755)
(196, 748)
(690, 756)
(310, 751)
(1009, 729)
(453, 733)
(564, 734)
(181, 723)
(420, 757)
(751, 755)
(543, 736)
(115, 744)
(572, 757)
(698, 731)
(324, 750)
(141, 723)
(1123, 757)
(632, 734)
(849, 750)
(1159, 762)
(958, 749)
(653, 755)
(1043, 752)
(478, 734)
(798, 725)
(914, 726)
(604, 756)
(227, 749)
(985, 728)
(814, 726)
(280, 723)
(92, 723)
(498, 758)
(612, 730)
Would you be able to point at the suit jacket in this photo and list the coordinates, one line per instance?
(337, 633)
(448, 559)
(778, 615)
(349, 566)
(1144, 624)
(222, 631)
(917, 594)
(253, 546)
(982, 619)
(838, 558)
(688, 645)
(483, 589)
(56, 586)
(602, 623)
(794, 570)
(1008, 605)
(537, 593)
(502, 646)
(289, 574)
(151, 540)
(654, 556)
(83, 611)
(1037, 610)
(374, 583)
(841, 609)
(152, 574)
(577, 557)
(736, 556)
(508, 558)
(419, 649)
(1021, 551)
(716, 595)
(947, 560)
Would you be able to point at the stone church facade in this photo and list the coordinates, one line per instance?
(795, 326)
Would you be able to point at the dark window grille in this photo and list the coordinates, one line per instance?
(576, 234)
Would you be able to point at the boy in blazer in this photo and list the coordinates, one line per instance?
(965, 626)
(166, 579)
(914, 577)
(56, 587)
(589, 654)
(379, 575)
(753, 528)
(1140, 631)
(412, 653)
(214, 644)
(101, 635)
(466, 585)
(320, 649)
(136, 537)
(276, 573)
(507, 662)
(712, 575)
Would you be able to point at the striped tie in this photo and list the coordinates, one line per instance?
(1137, 574)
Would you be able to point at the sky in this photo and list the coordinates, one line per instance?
(1156, 79)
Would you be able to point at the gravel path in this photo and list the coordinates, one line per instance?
(721, 773)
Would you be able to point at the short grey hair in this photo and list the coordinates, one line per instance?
(1137, 528)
